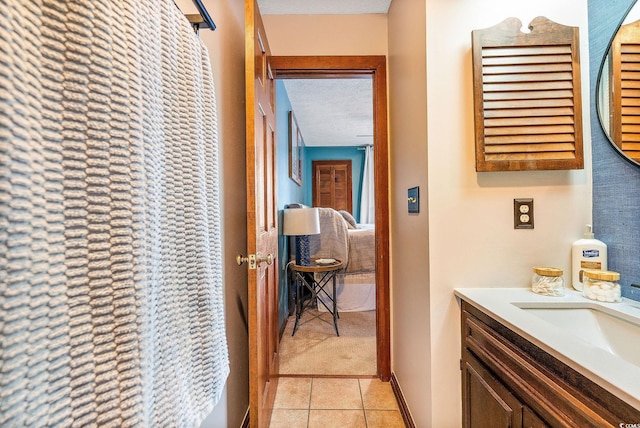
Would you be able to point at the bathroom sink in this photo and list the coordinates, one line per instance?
(596, 339)
(616, 333)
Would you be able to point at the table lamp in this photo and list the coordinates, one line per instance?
(301, 222)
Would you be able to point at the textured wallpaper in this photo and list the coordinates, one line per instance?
(616, 182)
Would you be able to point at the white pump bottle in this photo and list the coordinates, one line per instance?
(587, 253)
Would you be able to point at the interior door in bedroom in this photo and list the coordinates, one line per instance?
(331, 186)
(262, 220)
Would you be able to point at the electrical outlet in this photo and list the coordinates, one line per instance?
(523, 213)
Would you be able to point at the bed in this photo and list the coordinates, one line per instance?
(342, 238)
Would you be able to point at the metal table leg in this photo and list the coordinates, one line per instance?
(316, 287)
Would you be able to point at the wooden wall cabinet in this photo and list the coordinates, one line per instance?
(509, 382)
(527, 100)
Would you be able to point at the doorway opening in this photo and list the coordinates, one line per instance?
(373, 68)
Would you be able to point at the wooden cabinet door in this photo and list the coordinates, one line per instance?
(332, 184)
(486, 402)
(531, 420)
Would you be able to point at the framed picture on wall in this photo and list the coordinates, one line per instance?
(295, 150)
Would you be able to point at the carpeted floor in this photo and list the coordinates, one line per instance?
(316, 350)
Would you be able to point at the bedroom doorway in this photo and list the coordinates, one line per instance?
(373, 68)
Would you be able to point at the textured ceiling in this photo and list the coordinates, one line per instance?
(330, 112)
(322, 7)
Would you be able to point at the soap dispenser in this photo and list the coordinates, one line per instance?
(586, 253)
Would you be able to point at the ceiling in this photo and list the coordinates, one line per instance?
(322, 7)
(330, 112)
(333, 112)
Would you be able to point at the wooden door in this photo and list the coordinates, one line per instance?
(262, 231)
(332, 184)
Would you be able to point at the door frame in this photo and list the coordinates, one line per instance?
(375, 67)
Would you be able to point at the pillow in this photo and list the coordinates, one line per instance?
(351, 222)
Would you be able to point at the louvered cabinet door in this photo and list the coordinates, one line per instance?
(332, 184)
(625, 64)
(527, 98)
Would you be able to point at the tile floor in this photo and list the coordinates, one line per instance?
(331, 402)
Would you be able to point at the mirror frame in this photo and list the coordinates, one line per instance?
(599, 86)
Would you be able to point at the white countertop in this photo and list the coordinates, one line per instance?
(618, 376)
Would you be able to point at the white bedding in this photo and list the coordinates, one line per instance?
(356, 292)
(356, 283)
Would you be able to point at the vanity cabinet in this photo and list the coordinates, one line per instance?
(509, 382)
(488, 401)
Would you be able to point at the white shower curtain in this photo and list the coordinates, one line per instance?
(367, 198)
(111, 297)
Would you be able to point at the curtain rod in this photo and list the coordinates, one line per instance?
(202, 19)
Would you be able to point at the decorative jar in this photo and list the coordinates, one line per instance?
(547, 281)
(602, 285)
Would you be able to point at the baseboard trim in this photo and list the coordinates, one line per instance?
(326, 376)
(245, 421)
(402, 403)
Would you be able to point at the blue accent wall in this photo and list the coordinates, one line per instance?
(616, 182)
(288, 192)
(332, 153)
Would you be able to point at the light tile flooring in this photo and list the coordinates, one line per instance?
(335, 402)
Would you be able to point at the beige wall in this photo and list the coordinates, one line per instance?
(411, 338)
(327, 34)
(226, 51)
(471, 237)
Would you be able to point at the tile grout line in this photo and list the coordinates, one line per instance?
(366, 423)
(363, 407)
(309, 403)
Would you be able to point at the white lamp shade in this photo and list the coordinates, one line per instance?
(301, 221)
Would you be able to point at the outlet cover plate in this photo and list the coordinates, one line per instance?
(523, 213)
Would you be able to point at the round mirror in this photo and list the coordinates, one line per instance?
(618, 89)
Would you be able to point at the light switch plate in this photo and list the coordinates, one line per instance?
(413, 198)
(523, 213)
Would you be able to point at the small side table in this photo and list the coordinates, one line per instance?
(328, 272)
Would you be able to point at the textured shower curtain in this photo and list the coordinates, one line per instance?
(111, 298)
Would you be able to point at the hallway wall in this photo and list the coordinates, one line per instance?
(411, 337)
(327, 34)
